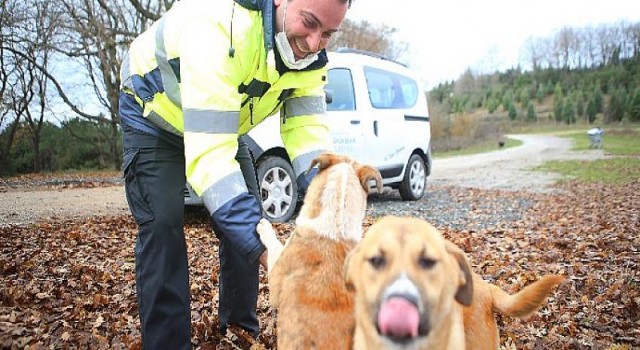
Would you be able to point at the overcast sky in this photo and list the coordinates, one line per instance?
(448, 36)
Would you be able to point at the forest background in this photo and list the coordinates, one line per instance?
(60, 77)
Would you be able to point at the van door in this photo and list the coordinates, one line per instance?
(390, 141)
(344, 122)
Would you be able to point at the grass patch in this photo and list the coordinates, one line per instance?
(485, 146)
(624, 144)
(613, 171)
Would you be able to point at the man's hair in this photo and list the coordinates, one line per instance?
(348, 2)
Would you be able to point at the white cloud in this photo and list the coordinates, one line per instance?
(448, 36)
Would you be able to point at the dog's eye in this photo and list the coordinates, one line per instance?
(426, 263)
(377, 261)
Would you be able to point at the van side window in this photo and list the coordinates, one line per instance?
(341, 86)
(390, 90)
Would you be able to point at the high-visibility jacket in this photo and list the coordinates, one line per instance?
(207, 71)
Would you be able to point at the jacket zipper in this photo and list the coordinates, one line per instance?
(251, 110)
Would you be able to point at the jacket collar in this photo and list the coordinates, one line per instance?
(268, 16)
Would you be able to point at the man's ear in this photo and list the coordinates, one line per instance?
(464, 294)
(349, 270)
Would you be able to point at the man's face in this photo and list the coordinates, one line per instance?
(309, 23)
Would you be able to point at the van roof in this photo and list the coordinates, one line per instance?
(368, 53)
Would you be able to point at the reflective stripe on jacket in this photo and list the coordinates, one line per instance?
(183, 73)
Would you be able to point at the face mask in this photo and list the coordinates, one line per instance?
(285, 50)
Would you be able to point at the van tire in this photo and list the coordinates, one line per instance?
(414, 182)
(278, 189)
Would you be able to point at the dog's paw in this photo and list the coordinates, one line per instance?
(269, 238)
(265, 230)
(267, 234)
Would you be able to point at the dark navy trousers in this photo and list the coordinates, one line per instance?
(154, 171)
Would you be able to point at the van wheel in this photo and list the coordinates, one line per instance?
(415, 179)
(278, 189)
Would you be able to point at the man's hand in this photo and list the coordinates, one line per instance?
(263, 259)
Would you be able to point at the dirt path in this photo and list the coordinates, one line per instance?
(21, 207)
(507, 169)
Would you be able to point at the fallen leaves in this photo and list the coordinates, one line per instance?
(70, 284)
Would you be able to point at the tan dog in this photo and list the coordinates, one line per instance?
(306, 279)
(412, 287)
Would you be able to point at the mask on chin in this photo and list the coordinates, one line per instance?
(286, 51)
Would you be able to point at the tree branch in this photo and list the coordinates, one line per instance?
(63, 95)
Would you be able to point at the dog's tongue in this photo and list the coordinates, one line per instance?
(398, 318)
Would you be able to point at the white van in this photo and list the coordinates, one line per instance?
(377, 112)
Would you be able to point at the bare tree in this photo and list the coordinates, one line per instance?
(585, 47)
(566, 47)
(93, 33)
(367, 36)
(590, 47)
(630, 36)
(26, 51)
(98, 33)
(535, 52)
(45, 24)
(16, 92)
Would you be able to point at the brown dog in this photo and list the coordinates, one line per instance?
(412, 287)
(306, 279)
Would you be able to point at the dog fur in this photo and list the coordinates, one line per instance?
(306, 279)
(415, 290)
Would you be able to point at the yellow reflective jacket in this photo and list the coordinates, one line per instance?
(207, 71)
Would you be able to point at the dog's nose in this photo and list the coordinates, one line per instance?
(403, 286)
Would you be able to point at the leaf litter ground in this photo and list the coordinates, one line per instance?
(70, 284)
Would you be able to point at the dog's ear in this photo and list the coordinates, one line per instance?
(367, 173)
(349, 270)
(464, 294)
(325, 160)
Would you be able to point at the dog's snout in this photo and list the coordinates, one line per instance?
(410, 298)
(403, 286)
(401, 317)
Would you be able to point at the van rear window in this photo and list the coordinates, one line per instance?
(390, 90)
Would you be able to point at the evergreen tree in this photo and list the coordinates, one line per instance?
(540, 94)
(598, 99)
(524, 97)
(549, 88)
(558, 105)
(513, 112)
(580, 105)
(507, 100)
(568, 111)
(531, 112)
(633, 108)
(617, 106)
(558, 102)
(591, 110)
(492, 104)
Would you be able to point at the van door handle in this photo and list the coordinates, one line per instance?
(375, 127)
(355, 122)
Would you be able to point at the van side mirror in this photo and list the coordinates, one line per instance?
(328, 96)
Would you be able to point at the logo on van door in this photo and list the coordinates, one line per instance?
(393, 154)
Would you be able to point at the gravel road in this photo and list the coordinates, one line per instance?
(506, 170)
(510, 169)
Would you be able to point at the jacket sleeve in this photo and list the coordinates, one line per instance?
(211, 108)
(304, 130)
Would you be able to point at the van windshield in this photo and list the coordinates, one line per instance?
(342, 93)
